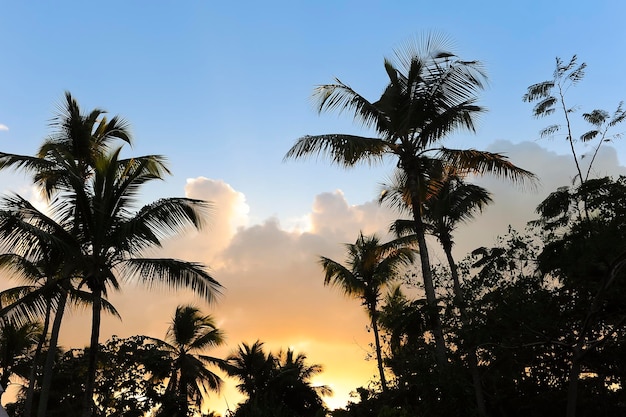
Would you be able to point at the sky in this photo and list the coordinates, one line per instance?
(223, 89)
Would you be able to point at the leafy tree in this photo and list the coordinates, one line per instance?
(370, 266)
(124, 387)
(587, 257)
(430, 95)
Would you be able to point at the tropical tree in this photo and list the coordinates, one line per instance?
(97, 192)
(431, 94)
(251, 366)
(587, 257)
(277, 385)
(16, 342)
(190, 378)
(40, 248)
(549, 98)
(456, 201)
(370, 266)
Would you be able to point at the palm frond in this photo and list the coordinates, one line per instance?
(172, 273)
(472, 161)
(344, 150)
(341, 97)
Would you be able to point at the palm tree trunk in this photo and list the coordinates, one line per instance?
(379, 355)
(183, 396)
(93, 354)
(47, 369)
(34, 371)
(427, 276)
(460, 302)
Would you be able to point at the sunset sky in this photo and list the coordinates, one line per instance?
(223, 90)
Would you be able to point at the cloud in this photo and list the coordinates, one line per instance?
(515, 205)
(3, 127)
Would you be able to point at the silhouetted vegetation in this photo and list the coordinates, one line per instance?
(533, 326)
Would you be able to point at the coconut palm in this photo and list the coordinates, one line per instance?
(80, 166)
(277, 385)
(370, 266)
(41, 248)
(251, 366)
(190, 378)
(431, 94)
(455, 202)
(16, 341)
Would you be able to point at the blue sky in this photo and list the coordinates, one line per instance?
(223, 90)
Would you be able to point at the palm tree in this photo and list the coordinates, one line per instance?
(97, 191)
(277, 385)
(40, 248)
(370, 266)
(431, 94)
(293, 382)
(189, 377)
(455, 202)
(16, 341)
(252, 367)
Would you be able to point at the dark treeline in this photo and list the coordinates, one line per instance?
(533, 326)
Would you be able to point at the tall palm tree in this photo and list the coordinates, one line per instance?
(370, 266)
(40, 248)
(431, 94)
(454, 202)
(79, 165)
(189, 334)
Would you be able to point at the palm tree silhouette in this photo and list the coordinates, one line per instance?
(97, 192)
(454, 202)
(431, 94)
(41, 250)
(370, 266)
(277, 385)
(16, 341)
(190, 379)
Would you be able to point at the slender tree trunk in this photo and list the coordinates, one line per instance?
(471, 354)
(93, 355)
(47, 369)
(34, 371)
(427, 276)
(574, 377)
(379, 355)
